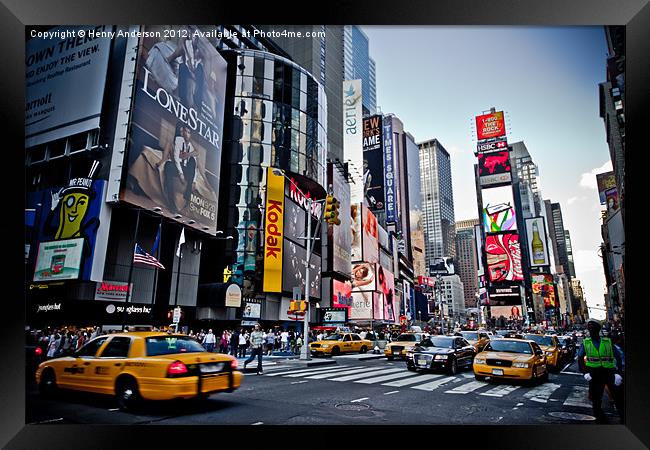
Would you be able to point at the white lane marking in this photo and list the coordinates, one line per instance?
(468, 375)
(467, 387)
(114, 409)
(566, 367)
(406, 382)
(362, 375)
(359, 400)
(300, 382)
(578, 397)
(500, 391)
(50, 421)
(391, 392)
(320, 376)
(309, 371)
(574, 373)
(434, 384)
(542, 393)
(520, 404)
(258, 423)
(391, 376)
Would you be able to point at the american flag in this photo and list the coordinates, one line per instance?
(140, 256)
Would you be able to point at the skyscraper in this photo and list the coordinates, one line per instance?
(358, 65)
(322, 56)
(437, 200)
(466, 259)
(525, 171)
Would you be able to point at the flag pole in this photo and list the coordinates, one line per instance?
(155, 274)
(128, 284)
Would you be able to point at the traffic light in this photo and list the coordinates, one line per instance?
(332, 210)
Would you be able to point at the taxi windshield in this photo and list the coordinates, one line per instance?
(333, 337)
(470, 335)
(509, 347)
(407, 338)
(541, 340)
(167, 345)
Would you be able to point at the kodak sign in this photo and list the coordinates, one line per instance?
(273, 232)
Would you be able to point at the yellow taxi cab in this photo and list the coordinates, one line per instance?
(398, 347)
(551, 347)
(508, 358)
(141, 365)
(479, 339)
(338, 343)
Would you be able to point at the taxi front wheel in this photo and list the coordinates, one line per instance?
(47, 386)
(127, 394)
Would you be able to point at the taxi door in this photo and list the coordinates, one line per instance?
(356, 343)
(76, 370)
(347, 345)
(110, 363)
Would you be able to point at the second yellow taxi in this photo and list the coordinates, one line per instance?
(338, 343)
(403, 342)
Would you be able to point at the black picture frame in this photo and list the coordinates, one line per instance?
(16, 14)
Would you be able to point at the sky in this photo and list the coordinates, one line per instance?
(545, 79)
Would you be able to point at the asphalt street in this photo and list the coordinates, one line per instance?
(355, 390)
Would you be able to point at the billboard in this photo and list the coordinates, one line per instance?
(605, 182)
(341, 294)
(364, 277)
(373, 163)
(611, 199)
(273, 231)
(58, 72)
(479, 251)
(489, 126)
(378, 307)
(112, 290)
(509, 312)
(295, 221)
(494, 168)
(498, 209)
(353, 136)
(389, 173)
(341, 254)
(73, 211)
(361, 306)
(294, 264)
(252, 310)
(174, 155)
(543, 286)
(355, 227)
(331, 315)
(537, 242)
(386, 288)
(369, 235)
(503, 257)
(503, 295)
(492, 146)
(59, 260)
(443, 266)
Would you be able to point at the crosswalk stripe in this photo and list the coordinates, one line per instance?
(320, 376)
(432, 386)
(500, 391)
(467, 387)
(578, 397)
(362, 375)
(542, 393)
(414, 380)
(314, 370)
(392, 376)
(325, 372)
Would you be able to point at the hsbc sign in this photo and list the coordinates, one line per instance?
(488, 147)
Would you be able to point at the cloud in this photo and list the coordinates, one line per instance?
(588, 180)
(576, 199)
(587, 261)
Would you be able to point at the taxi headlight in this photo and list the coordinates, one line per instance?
(520, 365)
(479, 360)
(410, 348)
(325, 345)
(441, 356)
(549, 353)
(409, 355)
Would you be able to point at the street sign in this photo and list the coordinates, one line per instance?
(177, 315)
(227, 273)
(297, 293)
(496, 146)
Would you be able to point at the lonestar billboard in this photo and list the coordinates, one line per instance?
(273, 232)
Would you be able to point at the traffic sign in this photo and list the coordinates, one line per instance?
(177, 315)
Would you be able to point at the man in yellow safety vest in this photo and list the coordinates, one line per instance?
(602, 364)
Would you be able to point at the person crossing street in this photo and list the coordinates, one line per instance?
(257, 346)
(602, 365)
